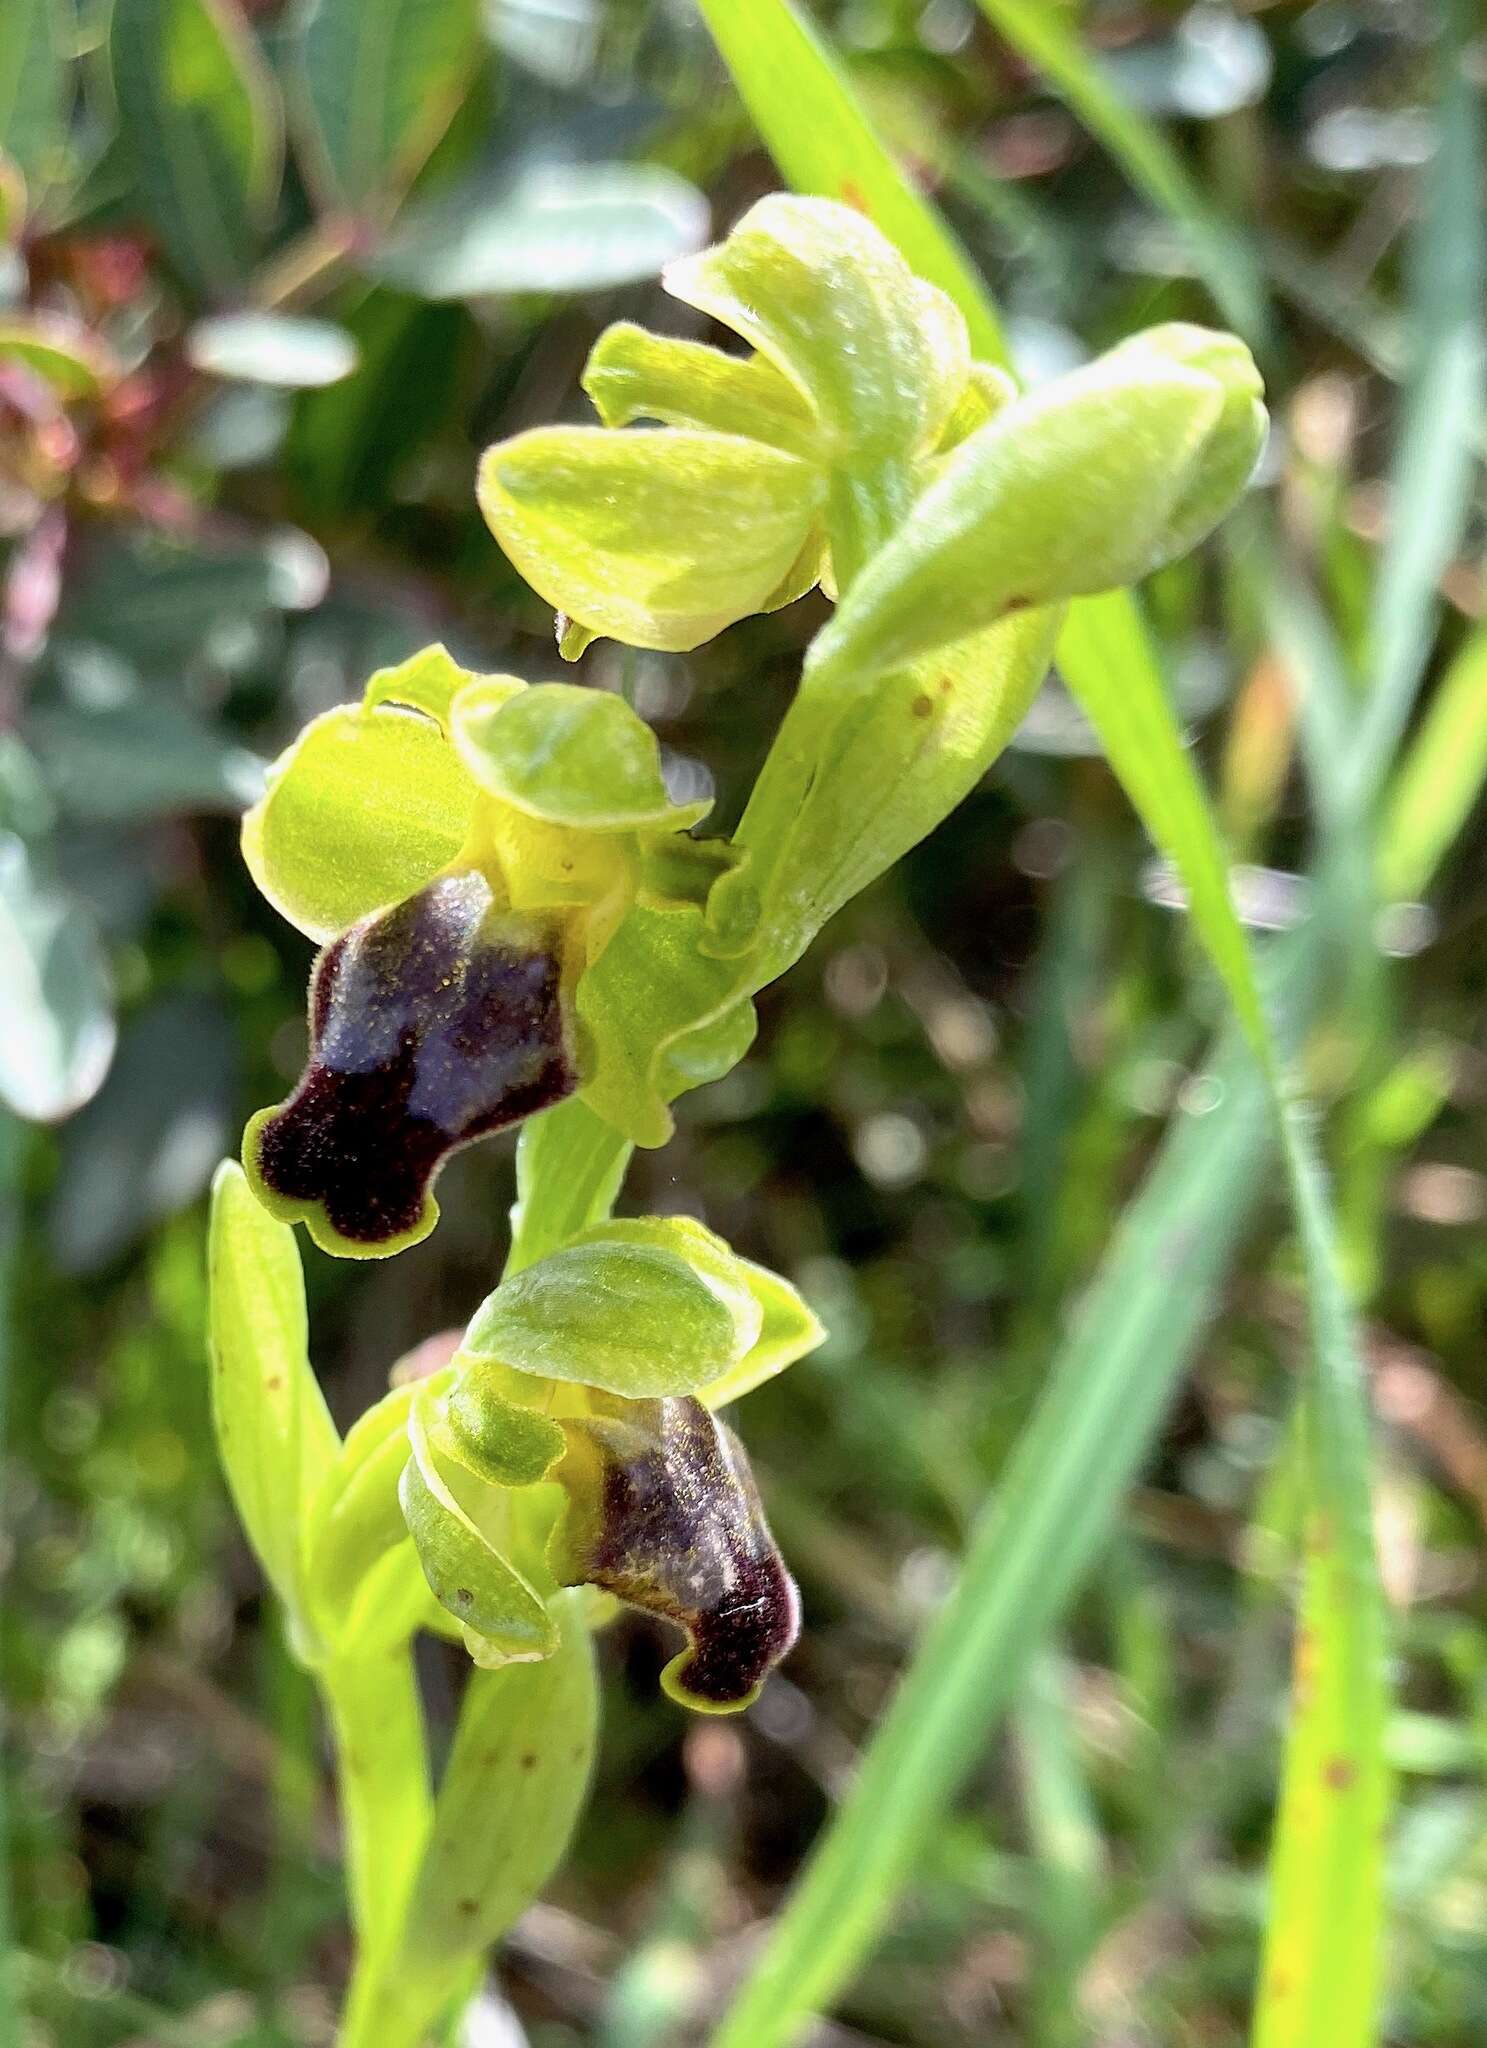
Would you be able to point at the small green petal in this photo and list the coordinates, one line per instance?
(468, 1575)
(568, 755)
(656, 539)
(633, 374)
(881, 356)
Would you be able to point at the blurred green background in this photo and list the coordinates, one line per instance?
(243, 385)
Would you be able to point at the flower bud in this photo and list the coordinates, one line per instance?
(1090, 482)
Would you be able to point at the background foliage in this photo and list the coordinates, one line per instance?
(270, 281)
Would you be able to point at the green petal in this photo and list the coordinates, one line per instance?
(363, 809)
(881, 356)
(633, 374)
(645, 1309)
(656, 539)
(567, 755)
(468, 1575)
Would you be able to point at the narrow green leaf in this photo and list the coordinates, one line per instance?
(1040, 34)
(569, 1166)
(823, 142)
(198, 107)
(514, 1785)
(274, 1433)
(381, 81)
(1324, 1918)
(1440, 777)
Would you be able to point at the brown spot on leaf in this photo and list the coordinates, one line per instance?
(922, 705)
(1338, 1773)
(854, 195)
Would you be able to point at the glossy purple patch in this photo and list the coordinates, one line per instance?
(431, 1024)
(664, 1513)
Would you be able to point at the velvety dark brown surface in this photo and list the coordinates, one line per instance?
(431, 1024)
(666, 1516)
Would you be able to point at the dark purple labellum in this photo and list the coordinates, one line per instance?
(431, 1024)
(664, 1513)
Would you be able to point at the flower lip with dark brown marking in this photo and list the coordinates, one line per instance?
(432, 1024)
(664, 1513)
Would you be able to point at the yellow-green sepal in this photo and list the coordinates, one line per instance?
(656, 539)
(368, 804)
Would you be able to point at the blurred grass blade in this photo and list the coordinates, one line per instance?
(823, 142)
(1324, 1918)
(1439, 778)
(1109, 663)
(1045, 1525)
(380, 82)
(1431, 487)
(1039, 33)
(198, 107)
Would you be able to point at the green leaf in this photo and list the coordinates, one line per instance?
(556, 228)
(1440, 777)
(1092, 481)
(882, 356)
(503, 1617)
(274, 1433)
(366, 807)
(198, 107)
(272, 348)
(66, 354)
(1324, 1942)
(380, 81)
(642, 1310)
(632, 374)
(657, 539)
(822, 141)
(59, 1029)
(144, 757)
(35, 92)
(1223, 258)
(512, 1790)
(568, 755)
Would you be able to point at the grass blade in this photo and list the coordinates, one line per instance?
(1440, 777)
(1042, 1530)
(1038, 33)
(1324, 1923)
(1431, 488)
(823, 142)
